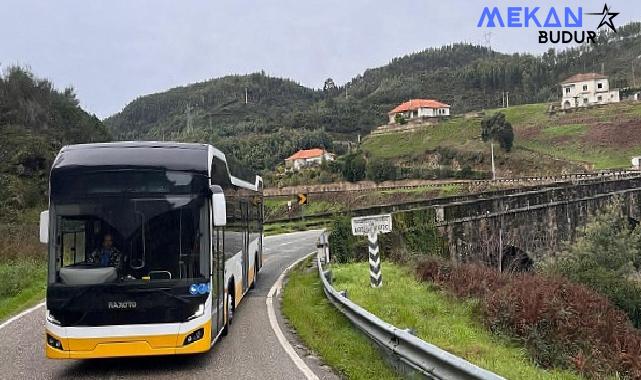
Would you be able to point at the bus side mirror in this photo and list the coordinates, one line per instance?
(44, 226)
(218, 203)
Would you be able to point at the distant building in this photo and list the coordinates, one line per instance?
(585, 89)
(636, 162)
(307, 158)
(419, 109)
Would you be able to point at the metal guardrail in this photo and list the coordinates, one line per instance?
(418, 355)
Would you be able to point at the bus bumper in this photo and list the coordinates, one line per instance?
(126, 346)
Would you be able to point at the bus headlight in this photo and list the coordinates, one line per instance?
(52, 319)
(199, 313)
(53, 342)
(194, 336)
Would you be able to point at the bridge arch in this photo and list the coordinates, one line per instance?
(514, 259)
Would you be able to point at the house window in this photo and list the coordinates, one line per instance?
(612, 95)
(599, 85)
(598, 98)
(585, 87)
(567, 90)
(585, 100)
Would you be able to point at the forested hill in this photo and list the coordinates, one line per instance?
(473, 77)
(36, 120)
(281, 116)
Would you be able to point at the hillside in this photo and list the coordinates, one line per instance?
(596, 138)
(36, 120)
(282, 116)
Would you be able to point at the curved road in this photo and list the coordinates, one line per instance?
(250, 351)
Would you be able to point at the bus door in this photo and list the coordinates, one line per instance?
(217, 280)
(244, 210)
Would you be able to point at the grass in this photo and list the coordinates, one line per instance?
(438, 319)
(284, 227)
(22, 284)
(326, 331)
(558, 140)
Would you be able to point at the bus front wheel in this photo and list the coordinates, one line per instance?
(230, 313)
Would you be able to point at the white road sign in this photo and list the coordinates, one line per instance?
(379, 224)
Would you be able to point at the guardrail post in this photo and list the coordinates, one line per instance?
(323, 247)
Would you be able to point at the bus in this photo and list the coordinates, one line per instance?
(151, 247)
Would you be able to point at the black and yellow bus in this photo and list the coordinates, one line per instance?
(151, 246)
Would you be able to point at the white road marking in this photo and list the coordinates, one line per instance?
(274, 323)
(20, 315)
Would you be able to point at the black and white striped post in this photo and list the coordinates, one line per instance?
(371, 226)
(375, 275)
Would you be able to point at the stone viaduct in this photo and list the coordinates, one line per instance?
(510, 231)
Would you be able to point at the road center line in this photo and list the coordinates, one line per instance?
(276, 288)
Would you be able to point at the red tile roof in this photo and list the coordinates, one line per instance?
(414, 104)
(581, 77)
(306, 153)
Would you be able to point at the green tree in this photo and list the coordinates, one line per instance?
(496, 128)
(381, 170)
(605, 257)
(354, 168)
(399, 119)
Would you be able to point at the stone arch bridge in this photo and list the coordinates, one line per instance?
(519, 228)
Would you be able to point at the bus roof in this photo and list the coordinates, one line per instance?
(172, 156)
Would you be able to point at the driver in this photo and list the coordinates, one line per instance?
(106, 255)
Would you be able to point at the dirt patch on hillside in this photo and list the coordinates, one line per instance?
(625, 134)
(528, 133)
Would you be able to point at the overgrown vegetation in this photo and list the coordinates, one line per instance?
(36, 120)
(407, 303)
(326, 331)
(605, 257)
(562, 324)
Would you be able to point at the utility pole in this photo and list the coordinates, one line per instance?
(493, 169)
(190, 120)
(507, 99)
(246, 98)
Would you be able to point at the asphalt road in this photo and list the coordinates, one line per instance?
(250, 351)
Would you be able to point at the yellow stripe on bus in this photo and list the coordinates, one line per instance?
(140, 345)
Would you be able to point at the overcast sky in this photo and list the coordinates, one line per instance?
(113, 51)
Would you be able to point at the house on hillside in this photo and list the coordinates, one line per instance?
(419, 109)
(307, 158)
(586, 89)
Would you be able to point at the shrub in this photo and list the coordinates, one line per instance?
(341, 241)
(605, 257)
(354, 167)
(562, 324)
(381, 170)
(16, 275)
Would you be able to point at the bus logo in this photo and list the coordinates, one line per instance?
(121, 305)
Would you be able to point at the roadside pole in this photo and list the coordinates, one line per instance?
(302, 201)
(371, 226)
(375, 275)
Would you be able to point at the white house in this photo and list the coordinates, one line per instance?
(585, 89)
(418, 109)
(307, 157)
(636, 162)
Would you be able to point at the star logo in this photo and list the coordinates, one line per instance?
(607, 18)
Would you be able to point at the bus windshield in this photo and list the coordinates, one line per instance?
(128, 226)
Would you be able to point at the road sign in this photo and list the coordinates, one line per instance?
(379, 224)
(372, 226)
(302, 199)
